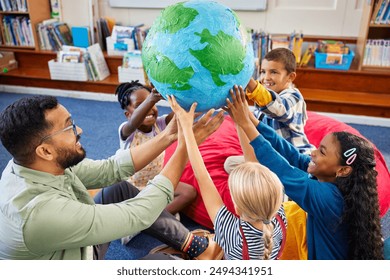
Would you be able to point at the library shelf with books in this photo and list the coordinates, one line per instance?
(18, 22)
(354, 91)
(373, 44)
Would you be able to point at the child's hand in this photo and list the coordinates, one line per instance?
(238, 108)
(186, 119)
(171, 129)
(155, 96)
(207, 124)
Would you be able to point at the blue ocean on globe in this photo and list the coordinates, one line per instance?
(197, 51)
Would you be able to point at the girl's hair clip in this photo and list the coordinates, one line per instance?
(350, 155)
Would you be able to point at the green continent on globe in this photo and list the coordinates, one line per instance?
(164, 70)
(216, 59)
(174, 18)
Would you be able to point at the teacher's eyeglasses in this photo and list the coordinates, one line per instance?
(72, 126)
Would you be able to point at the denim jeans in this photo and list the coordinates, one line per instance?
(166, 228)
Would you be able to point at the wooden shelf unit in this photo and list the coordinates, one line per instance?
(370, 31)
(347, 92)
(38, 10)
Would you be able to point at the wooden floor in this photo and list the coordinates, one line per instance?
(347, 92)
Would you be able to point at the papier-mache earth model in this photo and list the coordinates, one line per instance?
(197, 51)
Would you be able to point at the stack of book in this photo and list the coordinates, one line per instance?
(332, 54)
(377, 53)
(13, 5)
(331, 46)
(53, 35)
(132, 68)
(79, 64)
(17, 31)
(126, 38)
(264, 42)
(104, 27)
(381, 12)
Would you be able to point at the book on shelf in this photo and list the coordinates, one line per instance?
(123, 37)
(81, 36)
(380, 12)
(17, 31)
(385, 19)
(98, 61)
(104, 30)
(279, 41)
(69, 56)
(307, 55)
(377, 53)
(332, 46)
(63, 32)
(53, 35)
(13, 5)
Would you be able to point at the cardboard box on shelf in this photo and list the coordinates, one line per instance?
(7, 62)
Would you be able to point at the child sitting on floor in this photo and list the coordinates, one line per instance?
(143, 123)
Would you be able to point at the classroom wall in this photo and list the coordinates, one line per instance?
(313, 17)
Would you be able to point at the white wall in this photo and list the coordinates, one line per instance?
(312, 17)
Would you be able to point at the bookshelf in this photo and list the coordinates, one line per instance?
(37, 11)
(371, 32)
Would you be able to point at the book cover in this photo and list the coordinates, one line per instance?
(382, 5)
(63, 32)
(98, 61)
(386, 13)
(81, 36)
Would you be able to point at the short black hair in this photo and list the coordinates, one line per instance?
(284, 56)
(23, 124)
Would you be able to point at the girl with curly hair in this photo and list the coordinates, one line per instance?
(335, 185)
(142, 124)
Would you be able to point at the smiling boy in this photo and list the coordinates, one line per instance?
(278, 103)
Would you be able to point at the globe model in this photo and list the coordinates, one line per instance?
(197, 51)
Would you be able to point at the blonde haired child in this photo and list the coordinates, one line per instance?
(256, 193)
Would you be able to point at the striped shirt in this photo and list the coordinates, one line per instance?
(228, 236)
(287, 115)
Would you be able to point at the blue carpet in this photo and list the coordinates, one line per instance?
(100, 120)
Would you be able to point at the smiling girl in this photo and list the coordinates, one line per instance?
(143, 123)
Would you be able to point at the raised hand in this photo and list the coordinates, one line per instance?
(202, 128)
(155, 96)
(238, 108)
(186, 119)
(171, 129)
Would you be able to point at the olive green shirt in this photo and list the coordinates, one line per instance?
(43, 216)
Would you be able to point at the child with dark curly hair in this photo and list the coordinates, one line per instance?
(143, 123)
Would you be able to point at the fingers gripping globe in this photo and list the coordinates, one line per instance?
(197, 50)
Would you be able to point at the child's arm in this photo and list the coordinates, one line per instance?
(284, 108)
(238, 110)
(139, 114)
(143, 154)
(257, 93)
(210, 195)
(175, 165)
(247, 149)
